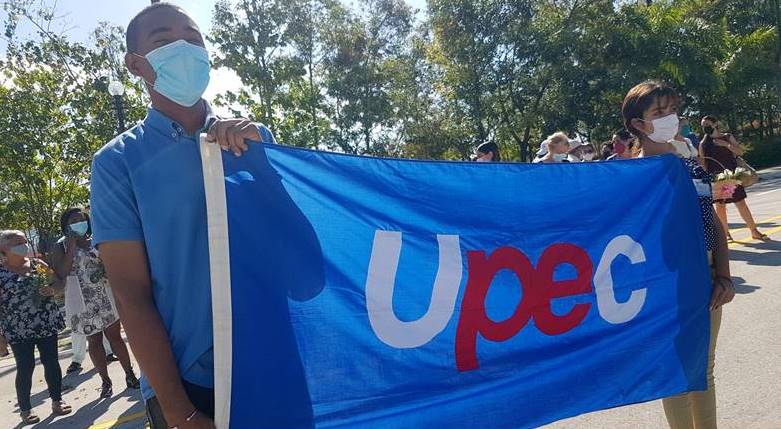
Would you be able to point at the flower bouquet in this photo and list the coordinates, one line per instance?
(727, 182)
(40, 278)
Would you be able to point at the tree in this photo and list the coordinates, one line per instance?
(361, 70)
(55, 113)
(253, 39)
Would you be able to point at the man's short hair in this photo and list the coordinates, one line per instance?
(133, 27)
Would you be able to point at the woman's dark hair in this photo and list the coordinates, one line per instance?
(70, 212)
(490, 147)
(710, 118)
(607, 150)
(623, 134)
(641, 98)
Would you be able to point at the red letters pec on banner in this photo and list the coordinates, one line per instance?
(539, 289)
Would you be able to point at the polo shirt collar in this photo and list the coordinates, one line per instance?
(159, 121)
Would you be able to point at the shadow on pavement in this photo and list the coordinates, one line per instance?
(90, 412)
(742, 288)
(769, 257)
(94, 410)
(69, 384)
(760, 225)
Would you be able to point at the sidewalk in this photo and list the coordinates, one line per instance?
(123, 411)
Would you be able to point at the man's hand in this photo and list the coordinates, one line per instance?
(198, 422)
(231, 133)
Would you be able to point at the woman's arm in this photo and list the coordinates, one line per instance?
(701, 156)
(723, 289)
(734, 146)
(57, 287)
(62, 257)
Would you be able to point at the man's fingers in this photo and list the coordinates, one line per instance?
(230, 134)
(250, 131)
(233, 140)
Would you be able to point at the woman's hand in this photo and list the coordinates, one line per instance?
(721, 142)
(47, 291)
(723, 292)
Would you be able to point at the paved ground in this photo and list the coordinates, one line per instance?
(748, 367)
(123, 411)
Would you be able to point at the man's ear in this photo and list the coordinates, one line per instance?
(140, 67)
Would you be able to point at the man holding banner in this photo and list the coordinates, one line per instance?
(363, 292)
(150, 222)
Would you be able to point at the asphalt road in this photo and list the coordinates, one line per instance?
(748, 362)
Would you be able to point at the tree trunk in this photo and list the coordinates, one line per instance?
(526, 156)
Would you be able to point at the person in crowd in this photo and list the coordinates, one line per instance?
(149, 217)
(31, 319)
(688, 132)
(718, 152)
(606, 151)
(3, 341)
(553, 149)
(650, 112)
(79, 341)
(581, 151)
(3, 344)
(487, 152)
(623, 145)
(683, 144)
(75, 258)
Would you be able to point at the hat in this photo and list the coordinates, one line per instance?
(576, 143)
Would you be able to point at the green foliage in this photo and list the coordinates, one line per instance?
(55, 113)
(374, 77)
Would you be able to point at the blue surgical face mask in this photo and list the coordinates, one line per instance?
(182, 71)
(21, 250)
(80, 228)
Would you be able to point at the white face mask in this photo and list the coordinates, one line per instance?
(665, 128)
(588, 157)
(558, 157)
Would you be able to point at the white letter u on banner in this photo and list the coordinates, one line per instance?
(381, 280)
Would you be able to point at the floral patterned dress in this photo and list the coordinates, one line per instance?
(25, 314)
(99, 310)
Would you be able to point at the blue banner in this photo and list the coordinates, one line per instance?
(386, 293)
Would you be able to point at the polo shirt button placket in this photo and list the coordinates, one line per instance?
(177, 132)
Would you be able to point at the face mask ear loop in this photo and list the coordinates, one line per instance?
(151, 85)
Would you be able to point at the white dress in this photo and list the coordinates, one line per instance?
(98, 311)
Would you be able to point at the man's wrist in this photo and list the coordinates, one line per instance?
(187, 419)
(179, 414)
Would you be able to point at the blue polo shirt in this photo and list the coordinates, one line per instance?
(147, 185)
